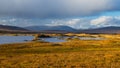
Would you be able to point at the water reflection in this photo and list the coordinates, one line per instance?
(18, 39)
(14, 39)
(54, 39)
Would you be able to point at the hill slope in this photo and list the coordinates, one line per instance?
(11, 28)
(50, 28)
(108, 30)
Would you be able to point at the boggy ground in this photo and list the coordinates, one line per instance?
(71, 54)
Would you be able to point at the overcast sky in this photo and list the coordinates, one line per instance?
(74, 13)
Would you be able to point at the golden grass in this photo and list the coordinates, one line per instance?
(71, 54)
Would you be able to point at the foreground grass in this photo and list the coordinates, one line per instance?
(71, 54)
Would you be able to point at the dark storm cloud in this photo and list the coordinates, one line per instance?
(56, 8)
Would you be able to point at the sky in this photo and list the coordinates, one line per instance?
(74, 13)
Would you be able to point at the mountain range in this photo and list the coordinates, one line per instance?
(58, 29)
(11, 28)
(103, 30)
(51, 28)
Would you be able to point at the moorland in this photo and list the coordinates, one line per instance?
(74, 53)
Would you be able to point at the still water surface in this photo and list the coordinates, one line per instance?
(19, 39)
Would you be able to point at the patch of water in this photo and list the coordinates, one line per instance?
(14, 39)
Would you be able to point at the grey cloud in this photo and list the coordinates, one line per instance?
(56, 8)
(83, 23)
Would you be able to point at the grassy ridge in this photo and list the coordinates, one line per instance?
(71, 54)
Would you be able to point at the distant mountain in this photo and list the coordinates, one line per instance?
(106, 30)
(50, 28)
(57, 29)
(11, 28)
